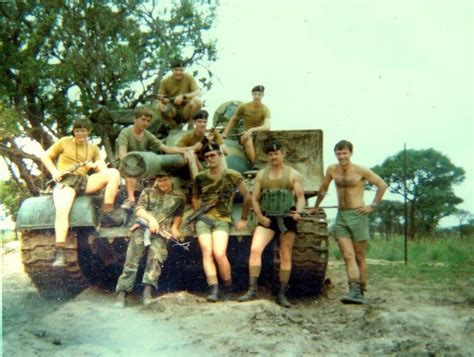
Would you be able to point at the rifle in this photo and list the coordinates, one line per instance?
(69, 171)
(198, 215)
(279, 218)
(162, 233)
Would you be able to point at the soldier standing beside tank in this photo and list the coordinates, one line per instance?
(194, 141)
(352, 222)
(137, 138)
(256, 117)
(216, 187)
(70, 151)
(274, 191)
(186, 97)
(162, 207)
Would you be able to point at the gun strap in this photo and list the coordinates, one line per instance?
(207, 220)
(281, 224)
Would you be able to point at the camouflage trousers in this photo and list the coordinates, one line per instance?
(157, 254)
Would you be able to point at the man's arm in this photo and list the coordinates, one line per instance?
(242, 223)
(377, 181)
(122, 151)
(298, 189)
(172, 149)
(264, 127)
(323, 188)
(255, 198)
(50, 166)
(230, 124)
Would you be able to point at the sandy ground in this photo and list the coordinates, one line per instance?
(398, 320)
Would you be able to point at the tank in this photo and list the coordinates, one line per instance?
(95, 255)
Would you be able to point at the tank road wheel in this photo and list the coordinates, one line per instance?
(38, 250)
(310, 257)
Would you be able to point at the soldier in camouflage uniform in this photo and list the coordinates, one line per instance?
(162, 207)
(217, 185)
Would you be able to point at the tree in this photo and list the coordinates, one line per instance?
(463, 217)
(430, 180)
(62, 59)
(388, 218)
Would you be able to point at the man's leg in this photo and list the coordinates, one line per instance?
(131, 185)
(192, 160)
(360, 249)
(261, 237)
(286, 247)
(63, 199)
(205, 242)
(249, 148)
(189, 109)
(346, 247)
(157, 254)
(110, 179)
(219, 249)
(132, 260)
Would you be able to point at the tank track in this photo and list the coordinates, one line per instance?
(309, 259)
(38, 255)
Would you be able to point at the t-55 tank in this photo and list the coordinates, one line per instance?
(96, 254)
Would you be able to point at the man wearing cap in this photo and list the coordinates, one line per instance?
(187, 97)
(195, 140)
(273, 196)
(162, 208)
(216, 186)
(76, 150)
(352, 222)
(137, 138)
(256, 117)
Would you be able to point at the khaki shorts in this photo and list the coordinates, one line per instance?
(352, 224)
(204, 228)
(76, 182)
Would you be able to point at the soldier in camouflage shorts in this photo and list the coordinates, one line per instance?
(162, 207)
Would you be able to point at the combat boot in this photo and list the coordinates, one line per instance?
(226, 293)
(251, 293)
(146, 299)
(59, 258)
(281, 299)
(121, 299)
(114, 218)
(213, 293)
(354, 295)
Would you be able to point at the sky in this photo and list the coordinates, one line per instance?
(378, 73)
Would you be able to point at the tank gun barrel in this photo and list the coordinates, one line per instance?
(143, 164)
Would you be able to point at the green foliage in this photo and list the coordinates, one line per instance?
(430, 178)
(64, 59)
(12, 196)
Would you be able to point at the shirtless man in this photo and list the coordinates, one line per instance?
(352, 222)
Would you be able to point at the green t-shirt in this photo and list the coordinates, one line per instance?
(172, 87)
(222, 188)
(147, 143)
(252, 117)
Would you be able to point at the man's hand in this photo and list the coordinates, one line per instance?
(91, 166)
(241, 224)
(179, 99)
(264, 221)
(154, 226)
(246, 135)
(296, 216)
(365, 209)
(197, 147)
(175, 232)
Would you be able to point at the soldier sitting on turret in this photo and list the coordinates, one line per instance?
(162, 208)
(137, 138)
(76, 151)
(179, 97)
(256, 117)
(194, 142)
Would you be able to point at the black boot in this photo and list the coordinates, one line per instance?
(281, 299)
(121, 299)
(251, 293)
(213, 293)
(146, 299)
(226, 293)
(59, 258)
(354, 295)
(114, 218)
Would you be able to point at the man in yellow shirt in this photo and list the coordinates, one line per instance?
(256, 117)
(70, 151)
(187, 97)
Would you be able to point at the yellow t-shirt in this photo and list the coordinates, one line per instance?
(172, 87)
(69, 153)
(252, 117)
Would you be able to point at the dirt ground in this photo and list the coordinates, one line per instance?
(398, 319)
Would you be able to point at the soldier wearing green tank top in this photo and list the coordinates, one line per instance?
(278, 190)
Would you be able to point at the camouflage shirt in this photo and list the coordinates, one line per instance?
(222, 188)
(164, 207)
